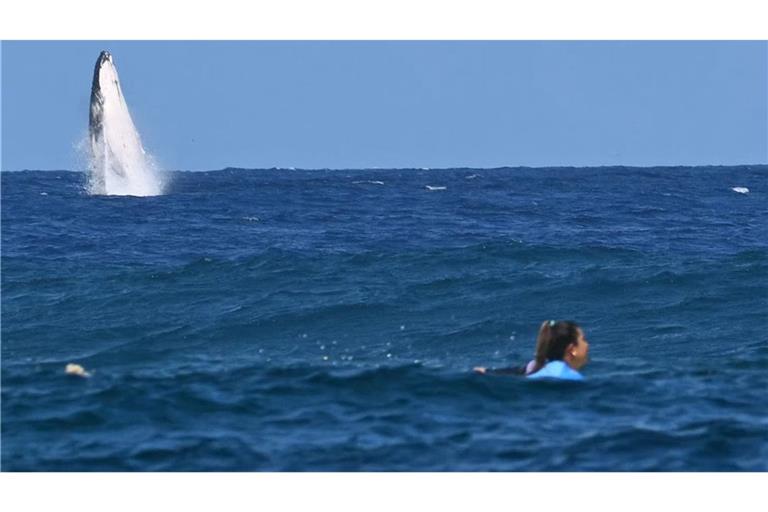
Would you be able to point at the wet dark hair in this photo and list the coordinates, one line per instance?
(553, 340)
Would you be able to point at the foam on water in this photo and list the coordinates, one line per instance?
(118, 164)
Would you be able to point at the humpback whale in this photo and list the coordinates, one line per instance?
(119, 165)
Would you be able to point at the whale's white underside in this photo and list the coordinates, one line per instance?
(119, 165)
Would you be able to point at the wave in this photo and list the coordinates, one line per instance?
(371, 423)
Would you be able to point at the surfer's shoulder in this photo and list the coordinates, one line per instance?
(559, 370)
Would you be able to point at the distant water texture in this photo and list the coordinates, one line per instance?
(328, 320)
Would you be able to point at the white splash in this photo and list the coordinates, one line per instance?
(741, 190)
(118, 164)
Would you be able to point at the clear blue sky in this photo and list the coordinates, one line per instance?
(208, 105)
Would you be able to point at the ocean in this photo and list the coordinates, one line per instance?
(329, 320)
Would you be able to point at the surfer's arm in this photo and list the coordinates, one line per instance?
(500, 371)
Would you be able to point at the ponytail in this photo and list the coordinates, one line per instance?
(553, 339)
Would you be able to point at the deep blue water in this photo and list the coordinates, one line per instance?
(321, 320)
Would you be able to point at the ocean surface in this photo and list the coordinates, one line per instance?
(329, 320)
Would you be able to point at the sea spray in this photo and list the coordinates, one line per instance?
(118, 164)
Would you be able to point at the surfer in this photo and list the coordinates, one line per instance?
(561, 350)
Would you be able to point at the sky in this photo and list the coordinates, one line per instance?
(205, 105)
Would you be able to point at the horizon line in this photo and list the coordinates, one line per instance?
(291, 168)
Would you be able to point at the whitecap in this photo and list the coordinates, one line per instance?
(741, 190)
(431, 187)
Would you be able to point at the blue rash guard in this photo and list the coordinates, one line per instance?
(556, 370)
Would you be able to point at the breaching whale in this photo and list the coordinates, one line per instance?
(119, 165)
